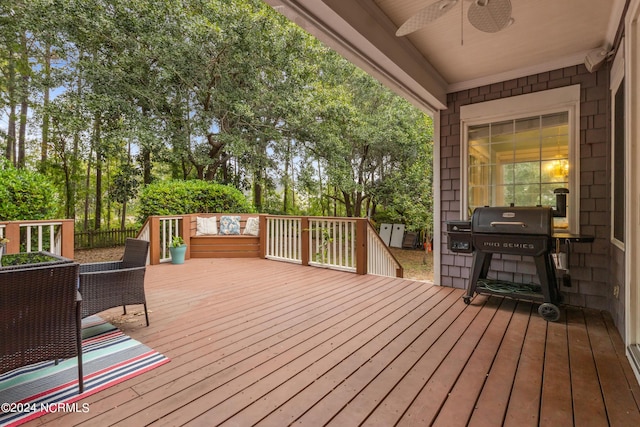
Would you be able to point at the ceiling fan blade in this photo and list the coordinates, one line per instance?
(425, 16)
(490, 16)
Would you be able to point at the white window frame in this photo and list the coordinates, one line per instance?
(615, 80)
(520, 107)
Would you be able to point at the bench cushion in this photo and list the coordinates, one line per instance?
(206, 226)
(252, 226)
(229, 225)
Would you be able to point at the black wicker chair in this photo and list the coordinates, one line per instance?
(40, 316)
(104, 285)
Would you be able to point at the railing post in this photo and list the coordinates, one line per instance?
(305, 232)
(154, 239)
(186, 234)
(263, 236)
(67, 230)
(12, 232)
(361, 245)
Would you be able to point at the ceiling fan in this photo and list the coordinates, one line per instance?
(489, 16)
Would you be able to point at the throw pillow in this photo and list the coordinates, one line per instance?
(252, 227)
(206, 226)
(229, 225)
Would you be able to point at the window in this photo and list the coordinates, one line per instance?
(518, 151)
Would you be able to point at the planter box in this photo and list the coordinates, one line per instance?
(31, 259)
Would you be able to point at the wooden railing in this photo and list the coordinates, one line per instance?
(159, 231)
(283, 238)
(103, 238)
(55, 236)
(348, 244)
(379, 260)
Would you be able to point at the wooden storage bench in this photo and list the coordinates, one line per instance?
(223, 246)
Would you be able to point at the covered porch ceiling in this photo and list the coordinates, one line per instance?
(449, 54)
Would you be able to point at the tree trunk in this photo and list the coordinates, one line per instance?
(45, 116)
(10, 152)
(22, 135)
(75, 166)
(216, 155)
(285, 198)
(357, 205)
(145, 154)
(68, 186)
(325, 207)
(87, 182)
(257, 191)
(97, 136)
(24, 106)
(257, 196)
(123, 218)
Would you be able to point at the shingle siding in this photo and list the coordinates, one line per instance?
(595, 268)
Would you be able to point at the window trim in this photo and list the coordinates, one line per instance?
(519, 107)
(615, 80)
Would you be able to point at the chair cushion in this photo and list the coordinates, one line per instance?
(252, 227)
(229, 225)
(206, 226)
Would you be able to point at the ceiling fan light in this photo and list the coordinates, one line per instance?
(490, 16)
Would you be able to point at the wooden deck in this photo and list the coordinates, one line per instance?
(257, 342)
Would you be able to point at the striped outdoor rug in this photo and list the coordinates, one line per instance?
(109, 357)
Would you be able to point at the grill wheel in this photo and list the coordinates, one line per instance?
(549, 312)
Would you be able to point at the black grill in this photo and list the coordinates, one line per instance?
(525, 231)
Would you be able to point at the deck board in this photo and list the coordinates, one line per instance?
(620, 403)
(556, 406)
(257, 342)
(492, 402)
(462, 399)
(523, 408)
(587, 396)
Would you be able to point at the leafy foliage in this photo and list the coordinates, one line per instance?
(225, 91)
(27, 259)
(25, 195)
(193, 196)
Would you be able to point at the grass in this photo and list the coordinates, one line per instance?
(416, 263)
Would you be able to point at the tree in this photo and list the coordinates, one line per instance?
(126, 91)
(364, 134)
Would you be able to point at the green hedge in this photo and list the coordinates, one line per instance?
(194, 196)
(25, 195)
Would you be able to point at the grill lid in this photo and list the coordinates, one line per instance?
(513, 220)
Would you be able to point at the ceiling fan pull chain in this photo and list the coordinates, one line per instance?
(461, 23)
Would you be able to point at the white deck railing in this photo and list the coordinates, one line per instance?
(332, 243)
(379, 259)
(168, 227)
(55, 236)
(42, 237)
(284, 239)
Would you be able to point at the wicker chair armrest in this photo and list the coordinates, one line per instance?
(113, 272)
(100, 266)
(102, 290)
